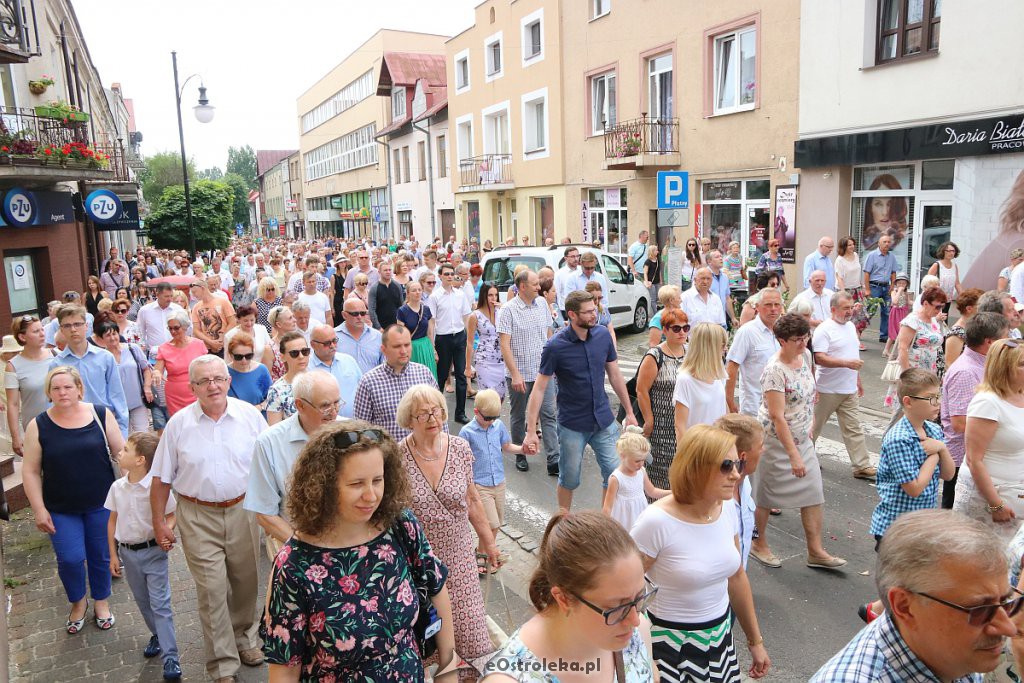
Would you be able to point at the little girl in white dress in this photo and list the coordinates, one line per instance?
(628, 486)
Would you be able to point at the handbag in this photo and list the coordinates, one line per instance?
(631, 390)
(891, 372)
(110, 458)
(141, 364)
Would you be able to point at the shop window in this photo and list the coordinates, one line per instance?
(884, 205)
(736, 211)
(907, 28)
(937, 175)
(608, 214)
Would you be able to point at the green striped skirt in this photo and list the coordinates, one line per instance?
(695, 653)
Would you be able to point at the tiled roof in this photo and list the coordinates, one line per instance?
(405, 68)
(266, 158)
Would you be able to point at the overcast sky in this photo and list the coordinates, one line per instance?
(255, 57)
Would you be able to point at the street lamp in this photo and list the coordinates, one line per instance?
(204, 114)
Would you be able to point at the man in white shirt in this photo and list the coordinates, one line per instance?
(319, 304)
(818, 296)
(588, 273)
(752, 348)
(700, 304)
(1017, 282)
(450, 309)
(837, 356)
(204, 455)
(566, 277)
(152, 319)
(302, 313)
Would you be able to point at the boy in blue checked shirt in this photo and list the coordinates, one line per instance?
(913, 458)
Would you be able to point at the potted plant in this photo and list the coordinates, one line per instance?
(39, 85)
(62, 111)
(74, 155)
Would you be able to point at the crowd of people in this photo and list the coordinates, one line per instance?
(289, 397)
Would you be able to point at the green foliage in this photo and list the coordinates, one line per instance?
(163, 170)
(211, 201)
(240, 210)
(212, 173)
(242, 160)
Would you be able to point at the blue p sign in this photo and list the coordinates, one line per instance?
(673, 190)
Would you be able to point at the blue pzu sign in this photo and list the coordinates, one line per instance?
(673, 190)
(102, 206)
(20, 207)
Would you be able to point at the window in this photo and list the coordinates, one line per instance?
(737, 211)
(543, 219)
(735, 71)
(533, 37)
(421, 158)
(353, 93)
(535, 123)
(396, 166)
(607, 213)
(614, 272)
(496, 133)
(493, 57)
(397, 104)
(352, 150)
(600, 8)
(405, 163)
(602, 103)
(907, 28)
(464, 137)
(462, 71)
(442, 156)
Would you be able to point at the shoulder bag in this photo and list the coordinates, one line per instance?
(659, 358)
(141, 364)
(110, 457)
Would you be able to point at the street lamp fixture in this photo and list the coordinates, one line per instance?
(204, 112)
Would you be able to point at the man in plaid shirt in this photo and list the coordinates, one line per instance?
(948, 600)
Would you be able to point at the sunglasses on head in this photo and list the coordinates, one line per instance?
(295, 353)
(679, 328)
(348, 439)
(242, 356)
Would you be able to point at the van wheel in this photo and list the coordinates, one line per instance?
(640, 318)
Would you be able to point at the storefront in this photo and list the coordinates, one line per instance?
(735, 210)
(607, 219)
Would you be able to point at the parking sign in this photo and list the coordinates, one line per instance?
(673, 190)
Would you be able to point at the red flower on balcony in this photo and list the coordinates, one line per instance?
(48, 151)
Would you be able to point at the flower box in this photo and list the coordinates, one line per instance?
(48, 112)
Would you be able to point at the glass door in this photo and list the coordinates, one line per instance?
(935, 227)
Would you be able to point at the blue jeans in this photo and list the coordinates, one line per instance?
(81, 547)
(882, 292)
(570, 462)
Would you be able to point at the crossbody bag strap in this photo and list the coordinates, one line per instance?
(620, 666)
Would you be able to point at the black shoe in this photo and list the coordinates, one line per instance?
(172, 670)
(882, 341)
(521, 463)
(152, 649)
(461, 418)
(553, 470)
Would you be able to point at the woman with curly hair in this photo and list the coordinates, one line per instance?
(346, 589)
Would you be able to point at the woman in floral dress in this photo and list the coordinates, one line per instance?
(445, 500)
(489, 368)
(920, 340)
(280, 401)
(347, 587)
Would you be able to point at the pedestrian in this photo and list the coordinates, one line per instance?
(580, 357)
(136, 377)
(604, 315)
(748, 311)
(25, 378)
(417, 317)
(319, 304)
(261, 342)
(955, 339)
(130, 530)
(721, 288)
(565, 278)
(280, 402)
(819, 260)
(925, 635)
(386, 296)
(669, 297)
(220, 538)
(752, 348)
(356, 336)
(818, 298)
(588, 591)
(652, 276)
(589, 273)
(489, 368)
(655, 384)
(250, 379)
(947, 271)
(920, 339)
(174, 358)
(692, 616)
(282, 321)
(67, 472)
(899, 298)
(880, 269)
(692, 261)
(749, 444)
(450, 308)
(93, 294)
(113, 278)
(1003, 281)
(212, 317)
(771, 262)
(629, 487)
(127, 330)
(303, 316)
(267, 299)
(699, 393)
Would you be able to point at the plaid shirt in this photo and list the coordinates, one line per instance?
(958, 386)
(380, 390)
(878, 654)
(528, 327)
(900, 462)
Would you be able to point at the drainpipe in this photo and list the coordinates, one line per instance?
(430, 179)
(392, 216)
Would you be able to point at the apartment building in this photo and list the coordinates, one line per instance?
(270, 178)
(291, 180)
(912, 125)
(505, 99)
(345, 178)
(417, 139)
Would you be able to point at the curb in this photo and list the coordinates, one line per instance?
(524, 542)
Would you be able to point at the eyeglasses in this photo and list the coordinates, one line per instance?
(28, 318)
(329, 342)
(981, 615)
(203, 383)
(488, 418)
(728, 465)
(173, 328)
(679, 328)
(616, 615)
(932, 400)
(430, 282)
(425, 417)
(242, 356)
(327, 408)
(72, 326)
(357, 313)
(348, 439)
(295, 353)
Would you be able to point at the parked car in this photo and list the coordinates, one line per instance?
(628, 299)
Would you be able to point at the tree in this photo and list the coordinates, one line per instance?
(240, 209)
(211, 216)
(163, 170)
(242, 160)
(212, 173)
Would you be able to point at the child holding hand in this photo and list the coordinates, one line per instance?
(629, 487)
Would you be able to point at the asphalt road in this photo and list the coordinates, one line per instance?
(806, 615)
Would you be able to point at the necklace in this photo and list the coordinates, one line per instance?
(415, 450)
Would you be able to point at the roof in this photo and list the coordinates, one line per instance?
(440, 97)
(394, 126)
(267, 158)
(405, 68)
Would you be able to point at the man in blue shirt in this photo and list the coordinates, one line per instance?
(341, 366)
(636, 257)
(880, 270)
(720, 286)
(357, 338)
(588, 273)
(580, 356)
(819, 260)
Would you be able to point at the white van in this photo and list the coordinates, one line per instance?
(628, 299)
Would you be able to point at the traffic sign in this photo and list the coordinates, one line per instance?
(673, 190)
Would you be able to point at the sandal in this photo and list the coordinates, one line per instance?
(105, 623)
(74, 627)
(775, 512)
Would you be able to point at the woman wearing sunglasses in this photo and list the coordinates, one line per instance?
(692, 262)
(126, 328)
(174, 357)
(250, 379)
(655, 384)
(699, 395)
(701, 591)
(282, 321)
(295, 352)
(267, 299)
(589, 591)
(261, 342)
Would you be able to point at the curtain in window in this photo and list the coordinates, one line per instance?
(726, 74)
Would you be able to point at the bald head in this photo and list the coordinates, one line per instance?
(826, 245)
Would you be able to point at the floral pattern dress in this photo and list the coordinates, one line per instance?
(347, 614)
(924, 351)
(490, 368)
(516, 660)
(280, 399)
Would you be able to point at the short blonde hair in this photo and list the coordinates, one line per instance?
(632, 441)
(698, 456)
(64, 370)
(745, 428)
(667, 293)
(801, 306)
(488, 401)
(704, 353)
(929, 281)
(1001, 363)
(104, 305)
(415, 396)
(265, 284)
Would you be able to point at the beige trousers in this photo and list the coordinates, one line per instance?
(847, 410)
(222, 549)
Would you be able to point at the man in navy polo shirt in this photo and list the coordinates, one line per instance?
(580, 356)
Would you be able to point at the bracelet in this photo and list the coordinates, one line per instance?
(755, 643)
(995, 508)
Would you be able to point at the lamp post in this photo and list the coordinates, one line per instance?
(204, 114)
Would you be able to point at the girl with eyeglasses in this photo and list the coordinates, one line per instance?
(250, 379)
(589, 591)
(174, 357)
(25, 376)
(295, 351)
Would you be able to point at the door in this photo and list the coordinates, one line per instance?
(935, 226)
(22, 286)
(620, 303)
(473, 220)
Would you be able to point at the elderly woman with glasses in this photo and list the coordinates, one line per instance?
(589, 591)
(447, 503)
(280, 402)
(250, 379)
(692, 615)
(173, 357)
(267, 299)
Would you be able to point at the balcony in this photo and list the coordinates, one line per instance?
(17, 42)
(487, 172)
(642, 143)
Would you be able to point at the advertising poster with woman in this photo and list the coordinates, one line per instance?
(886, 215)
(785, 222)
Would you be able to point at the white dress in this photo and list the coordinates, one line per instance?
(630, 499)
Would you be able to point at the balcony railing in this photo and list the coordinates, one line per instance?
(26, 135)
(489, 169)
(18, 41)
(641, 136)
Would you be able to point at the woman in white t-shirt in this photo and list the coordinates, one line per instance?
(690, 550)
(246, 316)
(700, 386)
(989, 488)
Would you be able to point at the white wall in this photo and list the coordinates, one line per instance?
(415, 195)
(975, 74)
(981, 187)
